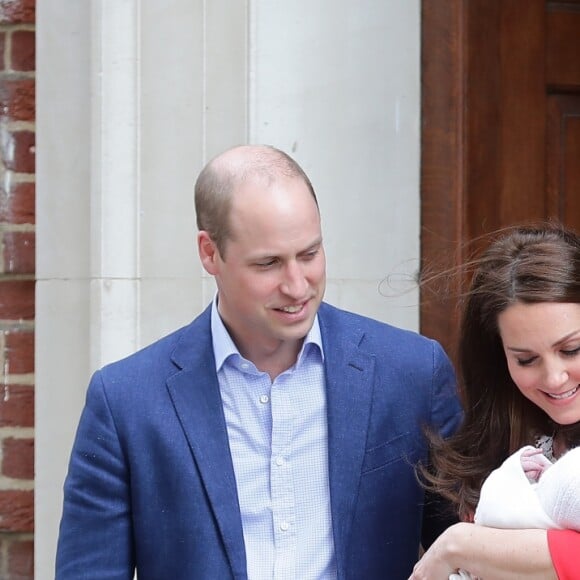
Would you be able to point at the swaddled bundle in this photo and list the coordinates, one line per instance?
(509, 500)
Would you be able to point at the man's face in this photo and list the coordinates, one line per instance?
(272, 278)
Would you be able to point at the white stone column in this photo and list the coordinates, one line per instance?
(63, 165)
(115, 179)
(133, 97)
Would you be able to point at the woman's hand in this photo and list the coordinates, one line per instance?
(488, 553)
(440, 560)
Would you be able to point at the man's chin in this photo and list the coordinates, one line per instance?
(298, 331)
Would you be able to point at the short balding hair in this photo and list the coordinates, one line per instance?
(220, 177)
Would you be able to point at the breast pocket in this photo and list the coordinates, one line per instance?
(399, 448)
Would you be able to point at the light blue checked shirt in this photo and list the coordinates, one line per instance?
(279, 443)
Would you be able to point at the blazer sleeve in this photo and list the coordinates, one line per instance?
(564, 546)
(445, 417)
(95, 539)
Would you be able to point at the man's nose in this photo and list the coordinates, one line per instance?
(294, 283)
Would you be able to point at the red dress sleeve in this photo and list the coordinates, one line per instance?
(564, 546)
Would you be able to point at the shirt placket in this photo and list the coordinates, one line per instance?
(282, 485)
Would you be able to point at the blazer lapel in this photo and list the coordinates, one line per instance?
(349, 383)
(196, 396)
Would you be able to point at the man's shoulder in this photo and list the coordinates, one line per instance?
(161, 352)
(346, 320)
(387, 343)
(401, 357)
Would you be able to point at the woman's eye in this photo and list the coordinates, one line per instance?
(571, 352)
(524, 362)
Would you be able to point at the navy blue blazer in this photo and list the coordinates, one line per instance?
(151, 482)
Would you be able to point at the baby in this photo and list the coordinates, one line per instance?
(528, 491)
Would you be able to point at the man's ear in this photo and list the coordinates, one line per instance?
(208, 252)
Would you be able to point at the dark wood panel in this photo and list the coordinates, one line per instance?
(442, 177)
(483, 146)
(523, 106)
(572, 182)
(500, 141)
(562, 4)
(563, 48)
(563, 164)
(505, 137)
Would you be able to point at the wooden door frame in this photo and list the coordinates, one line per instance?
(484, 95)
(442, 180)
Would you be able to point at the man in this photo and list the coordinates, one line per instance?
(273, 437)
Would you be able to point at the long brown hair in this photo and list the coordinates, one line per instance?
(527, 264)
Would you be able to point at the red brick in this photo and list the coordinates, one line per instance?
(17, 299)
(21, 560)
(16, 510)
(17, 11)
(16, 406)
(2, 49)
(23, 50)
(17, 99)
(18, 458)
(19, 353)
(17, 203)
(19, 252)
(18, 152)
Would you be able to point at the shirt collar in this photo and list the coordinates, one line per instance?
(224, 347)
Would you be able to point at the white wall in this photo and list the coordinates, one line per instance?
(336, 84)
(133, 97)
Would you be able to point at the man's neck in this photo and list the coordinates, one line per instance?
(274, 361)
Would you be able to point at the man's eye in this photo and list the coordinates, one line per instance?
(310, 255)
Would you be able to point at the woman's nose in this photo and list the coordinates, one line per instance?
(556, 375)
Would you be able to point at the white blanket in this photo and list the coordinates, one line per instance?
(508, 500)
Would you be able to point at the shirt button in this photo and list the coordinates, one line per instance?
(264, 399)
(245, 366)
(284, 526)
(279, 461)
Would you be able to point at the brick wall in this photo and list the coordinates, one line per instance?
(17, 245)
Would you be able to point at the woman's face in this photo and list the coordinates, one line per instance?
(542, 346)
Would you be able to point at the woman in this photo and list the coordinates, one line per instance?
(519, 366)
